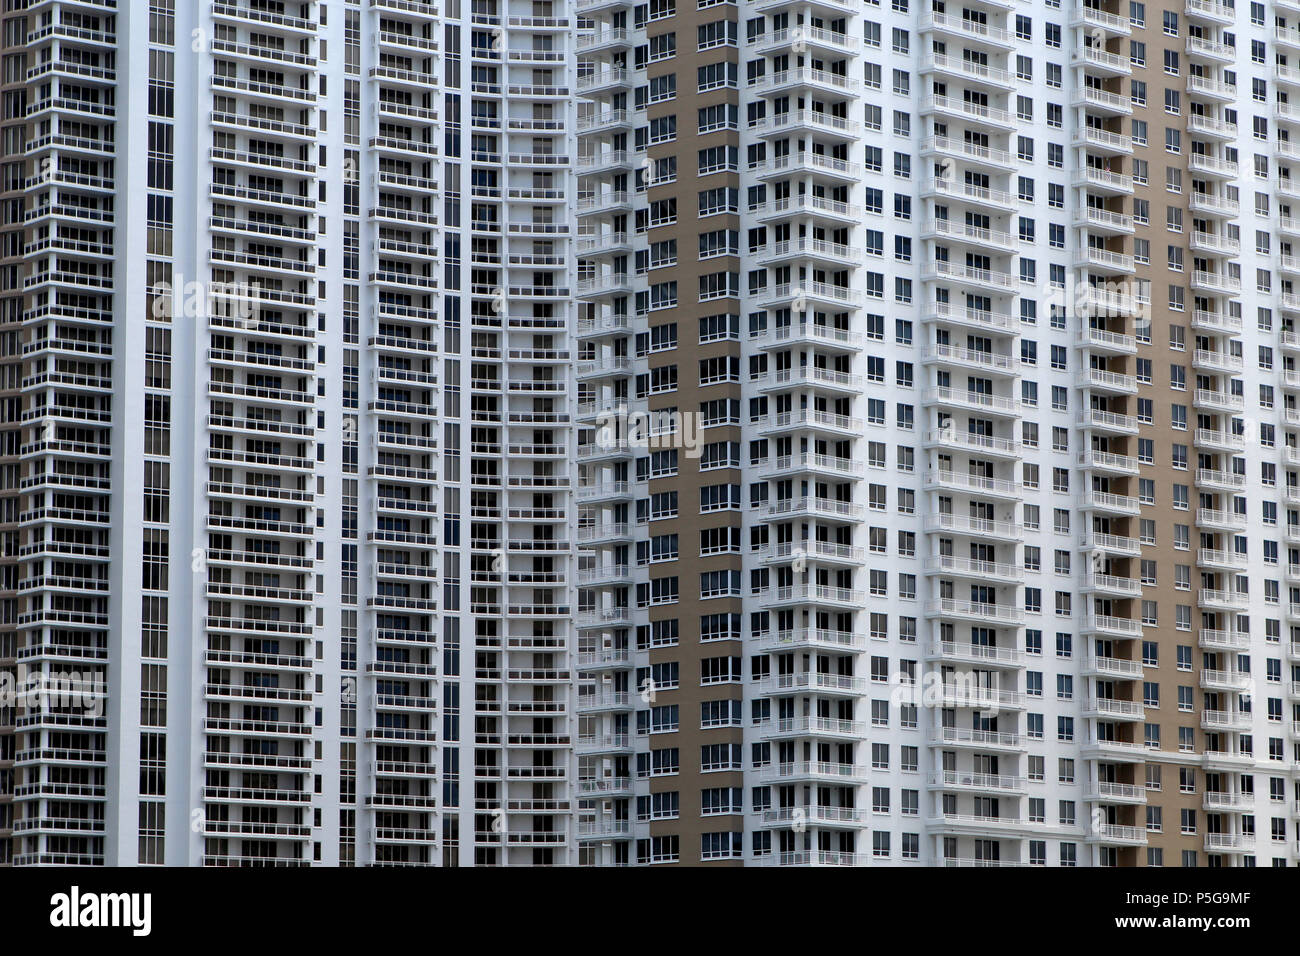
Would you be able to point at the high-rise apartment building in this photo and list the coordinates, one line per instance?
(287, 455)
(550, 432)
(976, 543)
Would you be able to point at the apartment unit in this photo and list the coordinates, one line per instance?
(938, 467)
(287, 448)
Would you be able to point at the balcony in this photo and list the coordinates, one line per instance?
(817, 551)
(1109, 626)
(1110, 543)
(1223, 802)
(1103, 181)
(817, 121)
(966, 29)
(1212, 10)
(1004, 615)
(971, 318)
(958, 231)
(1094, 500)
(1224, 600)
(1106, 792)
(1108, 462)
(1100, 62)
(972, 73)
(828, 41)
(1117, 835)
(1113, 422)
(1102, 142)
(1083, 15)
(1111, 585)
(812, 858)
(1220, 520)
(820, 639)
(1209, 88)
(1215, 480)
(973, 484)
(978, 782)
(1103, 221)
(975, 113)
(950, 566)
(972, 400)
(1102, 380)
(980, 654)
(1218, 400)
(998, 200)
(977, 739)
(812, 815)
(814, 771)
(1221, 560)
(1223, 640)
(974, 527)
(971, 154)
(1104, 262)
(1212, 166)
(998, 363)
(814, 594)
(1211, 127)
(808, 463)
(1231, 681)
(1216, 282)
(806, 78)
(1229, 843)
(1212, 205)
(798, 727)
(1217, 440)
(1101, 101)
(1110, 708)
